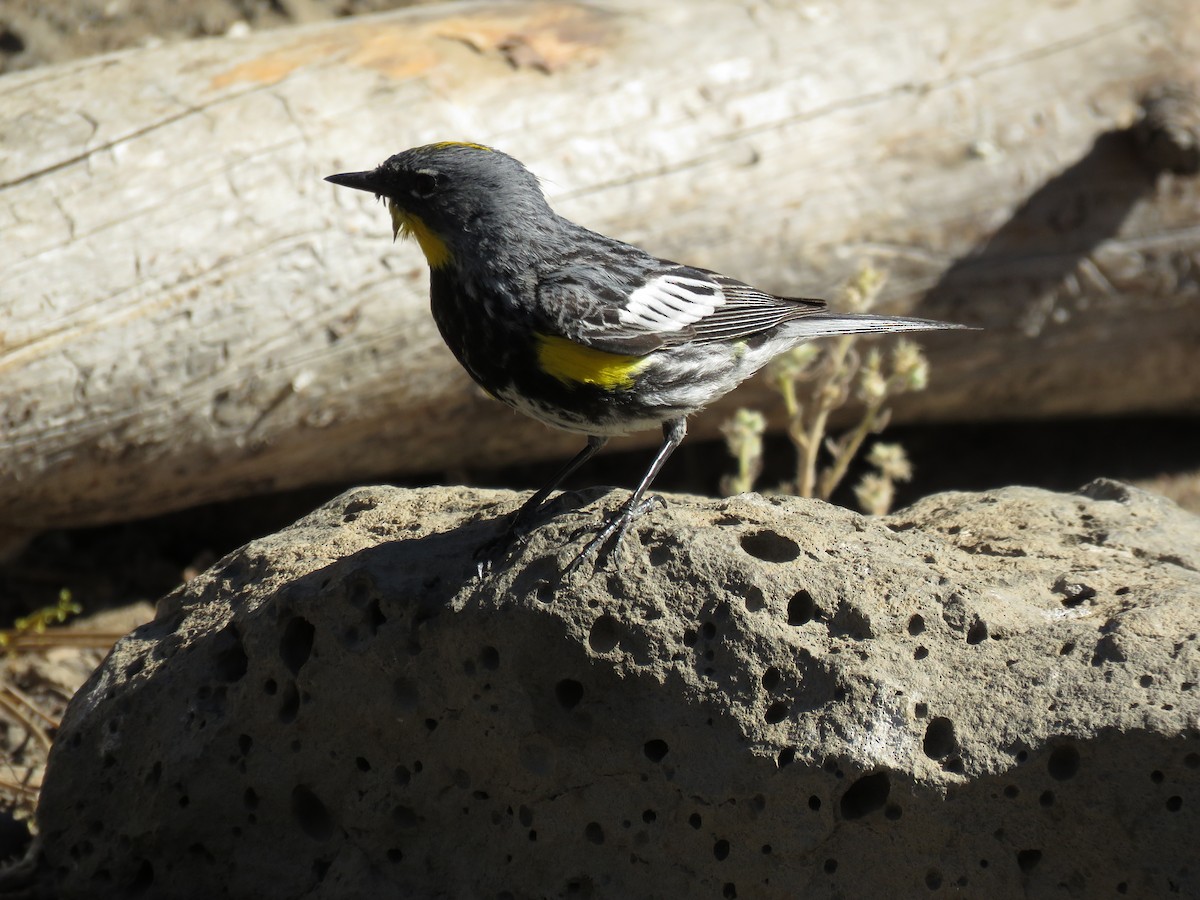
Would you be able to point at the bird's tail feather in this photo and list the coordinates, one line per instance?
(825, 324)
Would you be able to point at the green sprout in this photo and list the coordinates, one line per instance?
(40, 619)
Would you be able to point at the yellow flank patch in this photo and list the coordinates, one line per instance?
(570, 362)
(440, 144)
(437, 254)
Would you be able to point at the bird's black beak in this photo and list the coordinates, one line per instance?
(360, 181)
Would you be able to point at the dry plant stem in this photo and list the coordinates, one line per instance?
(29, 704)
(828, 395)
(17, 787)
(17, 713)
(795, 426)
(26, 640)
(744, 480)
(848, 447)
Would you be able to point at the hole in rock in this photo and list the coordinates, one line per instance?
(776, 712)
(568, 692)
(296, 643)
(1027, 859)
(229, 660)
(655, 750)
(867, 794)
(1063, 763)
(801, 608)
(940, 740)
(10, 41)
(605, 634)
(771, 678)
(770, 546)
(755, 599)
(311, 814)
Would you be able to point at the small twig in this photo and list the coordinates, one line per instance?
(32, 727)
(848, 448)
(14, 639)
(31, 705)
(16, 786)
(830, 393)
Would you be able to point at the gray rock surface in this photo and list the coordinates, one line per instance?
(985, 695)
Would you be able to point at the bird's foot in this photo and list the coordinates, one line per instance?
(517, 528)
(490, 554)
(614, 529)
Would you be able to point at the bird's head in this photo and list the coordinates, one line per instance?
(451, 194)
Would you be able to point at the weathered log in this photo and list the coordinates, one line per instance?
(187, 312)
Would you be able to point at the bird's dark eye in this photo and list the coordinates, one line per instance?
(426, 183)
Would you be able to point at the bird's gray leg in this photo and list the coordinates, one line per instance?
(618, 523)
(523, 519)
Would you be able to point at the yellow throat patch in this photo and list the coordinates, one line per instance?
(405, 224)
(573, 363)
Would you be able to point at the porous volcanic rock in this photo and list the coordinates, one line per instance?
(993, 695)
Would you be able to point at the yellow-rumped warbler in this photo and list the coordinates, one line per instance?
(575, 329)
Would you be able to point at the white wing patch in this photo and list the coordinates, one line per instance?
(671, 302)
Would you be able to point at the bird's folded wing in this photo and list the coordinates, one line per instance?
(626, 312)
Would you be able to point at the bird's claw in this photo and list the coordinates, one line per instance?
(614, 530)
(491, 553)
